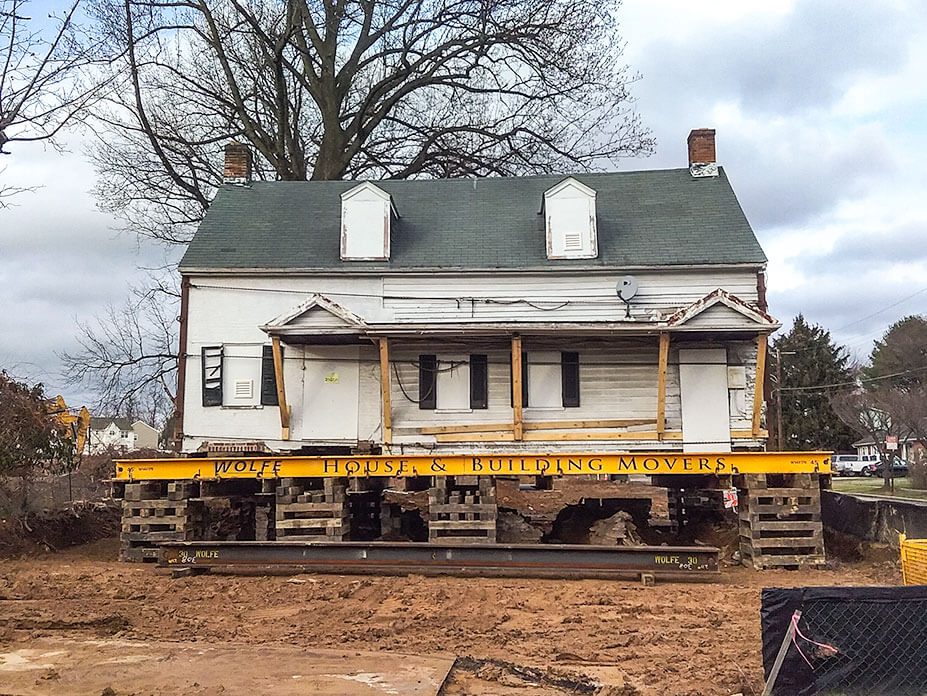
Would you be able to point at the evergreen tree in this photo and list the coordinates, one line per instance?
(810, 359)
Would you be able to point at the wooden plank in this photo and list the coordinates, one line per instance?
(384, 391)
(748, 434)
(536, 425)
(758, 383)
(541, 436)
(281, 390)
(518, 428)
(471, 428)
(661, 385)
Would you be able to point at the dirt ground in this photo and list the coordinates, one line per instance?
(511, 636)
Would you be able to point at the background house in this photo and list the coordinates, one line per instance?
(121, 434)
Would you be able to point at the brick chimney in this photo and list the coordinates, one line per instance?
(237, 164)
(702, 160)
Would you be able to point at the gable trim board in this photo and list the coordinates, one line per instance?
(719, 303)
(318, 313)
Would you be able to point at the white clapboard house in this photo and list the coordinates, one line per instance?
(589, 312)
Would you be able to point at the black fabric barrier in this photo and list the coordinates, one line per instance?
(873, 640)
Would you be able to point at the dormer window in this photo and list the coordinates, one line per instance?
(366, 213)
(569, 217)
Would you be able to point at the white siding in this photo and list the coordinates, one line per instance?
(569, 297)
(616, 382)
(618, 379)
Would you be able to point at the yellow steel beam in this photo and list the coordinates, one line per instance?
(483, 464)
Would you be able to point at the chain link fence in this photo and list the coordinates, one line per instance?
(846, 640)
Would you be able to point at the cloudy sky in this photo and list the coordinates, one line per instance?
(821, 113)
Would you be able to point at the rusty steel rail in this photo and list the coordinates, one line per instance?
(387, 558)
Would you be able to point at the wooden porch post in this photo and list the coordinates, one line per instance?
(758, 383)
(518, 426)
(384, 391)
(281, 390)
(661, 385)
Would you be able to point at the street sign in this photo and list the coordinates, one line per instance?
(891, 442)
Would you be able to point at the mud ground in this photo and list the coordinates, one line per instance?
(513, 636)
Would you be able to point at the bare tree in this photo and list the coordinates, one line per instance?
(128, 355)
(354, 89)
(892, 398)
(44, 78)
(868, 412)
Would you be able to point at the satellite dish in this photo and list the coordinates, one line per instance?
(627, 288)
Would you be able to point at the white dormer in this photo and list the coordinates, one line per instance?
(366, 213)
(569, 217)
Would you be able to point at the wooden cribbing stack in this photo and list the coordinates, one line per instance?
(780, 520)
(462, 509)
(311, 509)
(156, 511)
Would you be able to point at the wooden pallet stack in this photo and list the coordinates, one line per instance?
(780, 520)
(462, 509)
(311, 509)
(156, 511)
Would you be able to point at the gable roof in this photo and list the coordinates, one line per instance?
(102, 423)
(321, 313)
(648, 218)
(705, 312)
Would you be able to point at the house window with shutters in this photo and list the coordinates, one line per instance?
(455, 383)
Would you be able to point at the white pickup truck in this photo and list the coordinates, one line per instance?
(852, 464)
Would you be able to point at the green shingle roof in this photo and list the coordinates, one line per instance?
(648, 218)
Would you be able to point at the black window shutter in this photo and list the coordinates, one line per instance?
(569, 374)
(479, 381)
(212, 375)
(269, 377)
(427, 381)
(524, 382)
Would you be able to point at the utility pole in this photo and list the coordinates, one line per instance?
(780, 441)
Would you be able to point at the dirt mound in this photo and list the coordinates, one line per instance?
(850, 549)
(53, 530)
(617, 530)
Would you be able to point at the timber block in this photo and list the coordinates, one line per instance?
(145, 490)
(780, 526)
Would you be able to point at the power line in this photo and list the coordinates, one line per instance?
(854, 382)
(884, 309)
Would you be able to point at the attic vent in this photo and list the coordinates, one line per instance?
(244, 388)
(570, 221)
(573, 241)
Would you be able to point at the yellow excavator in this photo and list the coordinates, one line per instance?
(78, 423)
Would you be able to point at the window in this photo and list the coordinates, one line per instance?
(269, 377)
(456, 383)
(124, 434)
(453, 383)
(211, 358)
(552, 379)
